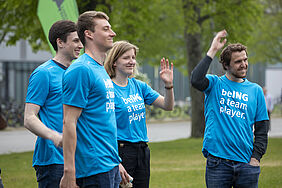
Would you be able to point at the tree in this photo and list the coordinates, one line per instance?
(180, 30)
(202, 18)
(266, 41)
(19, 21)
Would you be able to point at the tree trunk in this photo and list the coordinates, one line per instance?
(193, 44)
(193, 40)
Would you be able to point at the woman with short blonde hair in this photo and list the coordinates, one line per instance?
(131, 95)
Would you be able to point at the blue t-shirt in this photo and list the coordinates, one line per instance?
(87, 85)
(130, 110)
(231, 109)
(45, 90)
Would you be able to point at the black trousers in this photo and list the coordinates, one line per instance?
(136, 161)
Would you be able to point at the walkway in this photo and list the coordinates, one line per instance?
(21, 140)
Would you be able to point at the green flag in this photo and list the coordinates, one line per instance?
(50, 11)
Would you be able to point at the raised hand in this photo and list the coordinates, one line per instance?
(166, 73)
(217, 43)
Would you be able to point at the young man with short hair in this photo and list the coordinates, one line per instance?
(43, 114)
(90, 132)
(233, 107)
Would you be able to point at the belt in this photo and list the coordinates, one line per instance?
(133, 144)
(226, 160)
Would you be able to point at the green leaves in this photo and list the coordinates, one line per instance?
(157, 27)
(19, 21)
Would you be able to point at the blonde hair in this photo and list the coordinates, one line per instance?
(118, 49)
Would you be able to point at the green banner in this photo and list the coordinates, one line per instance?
(50, 11)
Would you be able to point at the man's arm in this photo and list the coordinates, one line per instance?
(260, 143)
(33, 124)
(198, 75)
(71, 115)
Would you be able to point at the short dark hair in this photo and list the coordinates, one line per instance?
(226, 53)
(61, 29)
(86, 22)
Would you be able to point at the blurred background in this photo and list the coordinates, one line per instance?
(180, 30)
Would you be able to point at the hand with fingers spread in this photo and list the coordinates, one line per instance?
(166, 73)
(217, 43)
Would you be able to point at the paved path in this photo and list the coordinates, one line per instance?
(22, 140)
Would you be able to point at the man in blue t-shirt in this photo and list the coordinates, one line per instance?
(90, 132)
(44, 109)
(233, 108)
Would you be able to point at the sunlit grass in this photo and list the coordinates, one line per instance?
(175, 164)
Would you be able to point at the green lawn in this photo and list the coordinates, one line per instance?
(176, 164)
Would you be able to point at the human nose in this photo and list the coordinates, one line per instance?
(113, 34)
(80, 46)
(245, 63)
(132, 61)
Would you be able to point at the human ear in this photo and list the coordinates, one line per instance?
(59, 43)
(88, 33)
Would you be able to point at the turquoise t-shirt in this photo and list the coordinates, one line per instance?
(87, 85)
(130, 110)
(231, 109)
(45, 90)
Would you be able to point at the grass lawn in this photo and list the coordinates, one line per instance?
(175, 164)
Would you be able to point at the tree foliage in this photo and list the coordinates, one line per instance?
(180, 30)
(202, 19)
(19, 21)
(266, 41)
(157, 27)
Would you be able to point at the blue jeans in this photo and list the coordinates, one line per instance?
(49, 176)
(221, 173)
(110, 179)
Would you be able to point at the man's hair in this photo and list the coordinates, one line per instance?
(86, 22)
(118, 49)
(61, 29)
(226, 53)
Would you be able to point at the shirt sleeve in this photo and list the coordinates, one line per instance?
(76, 87)
(148, 93)
(261, 112)
(212, 81)
(38, 87)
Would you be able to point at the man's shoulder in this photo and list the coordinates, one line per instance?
(252, 85)
(213, 76)
(78, 65)
(44, 68)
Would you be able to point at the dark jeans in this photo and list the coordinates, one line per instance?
(49, 176)
(222, 173)
(136, 161)
(110, 179)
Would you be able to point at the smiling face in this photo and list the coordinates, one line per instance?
(103, 35)
(238, 67)
(125, 64)
(71, 48)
